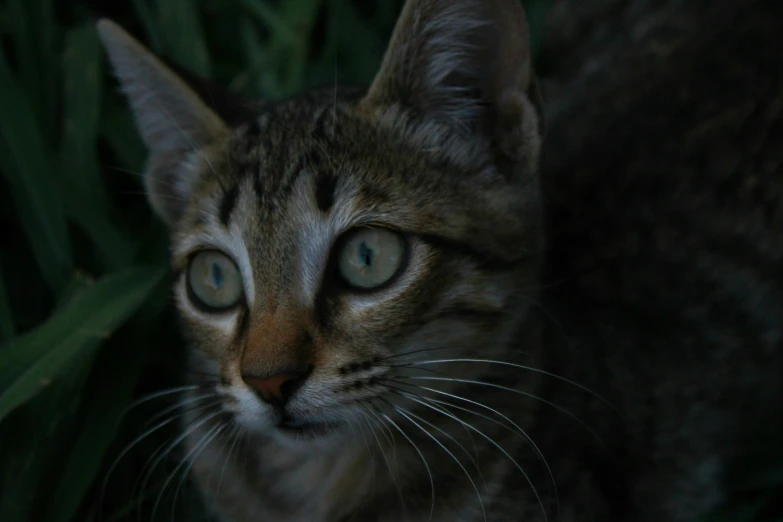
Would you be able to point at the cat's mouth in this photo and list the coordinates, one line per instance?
(307, 429)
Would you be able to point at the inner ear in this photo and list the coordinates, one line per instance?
(173, 117)
(464, 63)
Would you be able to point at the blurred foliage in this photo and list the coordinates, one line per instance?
(85, 324)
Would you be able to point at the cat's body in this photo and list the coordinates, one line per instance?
(643, 264)
(663, 174)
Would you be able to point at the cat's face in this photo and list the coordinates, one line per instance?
(328, 248)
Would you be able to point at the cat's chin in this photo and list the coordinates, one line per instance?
(303, 435)
(306, 430)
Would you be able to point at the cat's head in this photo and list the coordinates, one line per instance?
(330, 245)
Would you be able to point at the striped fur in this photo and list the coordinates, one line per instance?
(578, 345)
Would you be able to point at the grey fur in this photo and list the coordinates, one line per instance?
(595, 340)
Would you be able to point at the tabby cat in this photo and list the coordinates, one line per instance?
(397, 314)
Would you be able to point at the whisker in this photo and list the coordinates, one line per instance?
(139, 175)
(188, 461)
(491, 441)
(402, 412)
(364, 435)
(370, 450)
(174, 407)
(549, 315)
(424, 461)
(158, 456)
(391, 472)
(177, 199)
(127, 450)
(236, 436)
(212, 375)
(475, 462)
(519, 431)
(512, 390)
(384, 430)
(519, 366)
(198, 148)
(414, 352)
(155, 395)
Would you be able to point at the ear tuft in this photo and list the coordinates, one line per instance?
(171, 118)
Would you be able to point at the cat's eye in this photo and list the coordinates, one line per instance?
(371, 257)
(214, 281)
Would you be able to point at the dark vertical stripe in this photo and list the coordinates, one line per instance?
(319, 132)
(228, 204)
(254, 129)
(253, 137)
(325, 185)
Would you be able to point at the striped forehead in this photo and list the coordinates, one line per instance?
(280, 237)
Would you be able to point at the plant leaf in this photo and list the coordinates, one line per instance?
(33, 34)
(36, 438)
(150, 23)
(86, 200)
(6, 318)
(121, 136)
(82, 92)
(184, 35)
(281, 30)
(30, 362)
(104, 403)
(27, 164)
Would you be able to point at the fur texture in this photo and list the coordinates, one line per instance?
(601, 341)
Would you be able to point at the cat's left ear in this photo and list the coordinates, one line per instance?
(467, 65)
(172, 119)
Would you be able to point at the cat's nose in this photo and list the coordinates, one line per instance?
(276, 389)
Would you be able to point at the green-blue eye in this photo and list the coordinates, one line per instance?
(214, 281)
(371, 257)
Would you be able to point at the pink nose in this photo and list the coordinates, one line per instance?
(276, 389)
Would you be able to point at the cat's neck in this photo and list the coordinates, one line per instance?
(330, 478)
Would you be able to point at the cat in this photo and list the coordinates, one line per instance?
(582, 326)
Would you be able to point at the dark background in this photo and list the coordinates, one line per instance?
(85, 326)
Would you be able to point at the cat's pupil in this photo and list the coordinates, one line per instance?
(365, 254)
(216, 275)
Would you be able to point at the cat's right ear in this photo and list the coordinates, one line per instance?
(173, 121)
(466, 65)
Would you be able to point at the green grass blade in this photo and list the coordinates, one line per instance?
(37, 438)
(28, 165)
(303, 15)
(37, 444)
(150, 23)
(184, 35)
(6, 317)
(113, 247)
(47, 33)
(257, 79)
(358, 63)
(82, 93)
(119, 133)
(87, 203)
(282, 31)
(78, 284)
(29, 363)
(31, 443)
(22, 39)
(116, 374)
(33, 34)
(5, 20)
